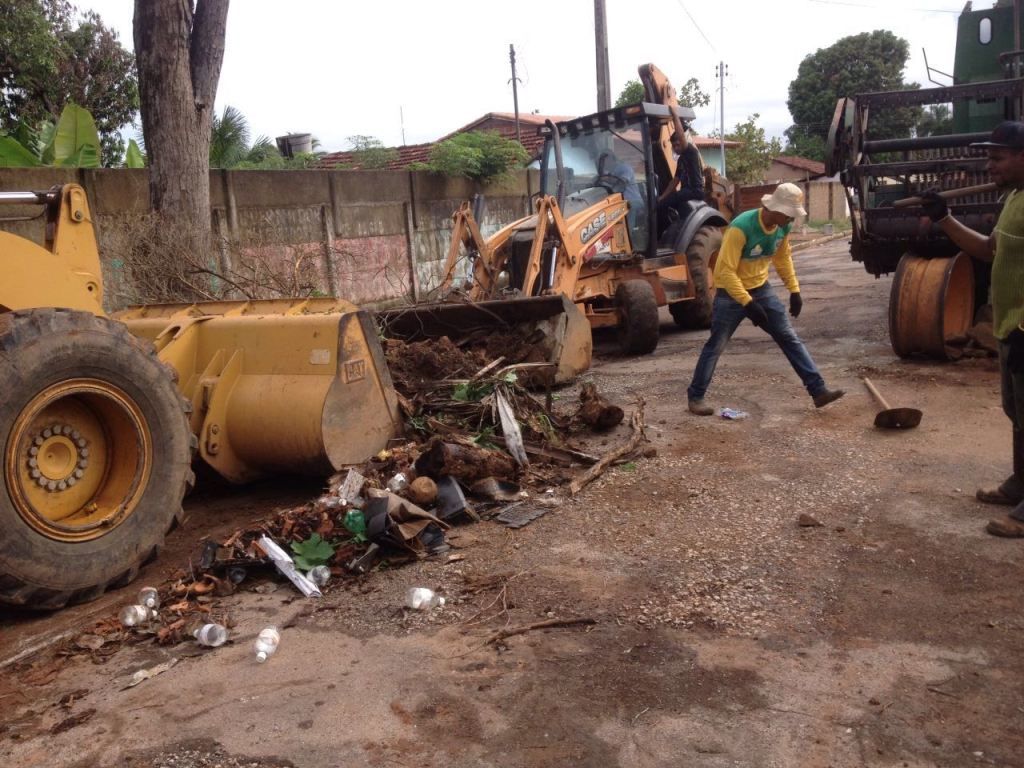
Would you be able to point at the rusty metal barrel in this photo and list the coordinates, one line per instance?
(931, 303)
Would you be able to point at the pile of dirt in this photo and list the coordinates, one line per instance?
(421, 364)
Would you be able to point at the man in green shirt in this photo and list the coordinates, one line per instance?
(1005, 249)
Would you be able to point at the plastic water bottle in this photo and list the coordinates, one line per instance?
(266, 643)
(319, 575)
(212, 635)
(422, 599)
(134, 615)
(149, 597)
(398, 483)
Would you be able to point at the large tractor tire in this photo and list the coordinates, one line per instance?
(96, 456)
(638, 317)
(701, 253)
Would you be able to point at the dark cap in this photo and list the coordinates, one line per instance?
(1009, 134)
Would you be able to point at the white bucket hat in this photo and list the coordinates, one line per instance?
(787, 199)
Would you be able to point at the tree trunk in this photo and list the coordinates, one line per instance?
(179, 48)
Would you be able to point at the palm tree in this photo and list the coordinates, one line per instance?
(229, 138)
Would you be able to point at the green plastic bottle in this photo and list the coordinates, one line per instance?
(355, 523)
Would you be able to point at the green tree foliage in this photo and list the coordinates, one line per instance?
(689, 95)
(483, 156)
(748, 163)
(230, 146)
(49, 58)
(369, 153)
(935, 120)
(870, 61)
(805, 145)
(632, 92)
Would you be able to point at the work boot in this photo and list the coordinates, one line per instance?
(699, 407)
(1011, 491)
(1006, 527)
(827, 396)
(1008, 494)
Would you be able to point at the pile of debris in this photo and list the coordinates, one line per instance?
(479, 445)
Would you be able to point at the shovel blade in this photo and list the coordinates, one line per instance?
(898, 418)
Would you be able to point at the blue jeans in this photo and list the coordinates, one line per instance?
(726, 316)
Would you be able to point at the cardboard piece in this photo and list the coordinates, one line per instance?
(390, 519)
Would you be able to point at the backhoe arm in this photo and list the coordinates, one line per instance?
(466, 233)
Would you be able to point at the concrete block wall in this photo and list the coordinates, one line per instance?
(824, 200)
(372, 237)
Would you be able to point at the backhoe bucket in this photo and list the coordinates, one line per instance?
(553, 326)
(276, 386)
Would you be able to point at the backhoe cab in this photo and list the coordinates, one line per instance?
(593, 236)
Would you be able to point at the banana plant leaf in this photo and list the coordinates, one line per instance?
(76, 143)
(44, 142)
(133, 157)
(87, 156)
(14, 155)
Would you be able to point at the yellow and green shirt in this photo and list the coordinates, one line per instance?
(747, 249)
(1007, 268)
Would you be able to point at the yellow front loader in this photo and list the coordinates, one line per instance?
(100, 417)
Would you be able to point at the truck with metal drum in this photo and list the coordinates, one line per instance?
(936, 289)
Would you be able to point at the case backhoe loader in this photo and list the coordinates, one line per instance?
(100, 417)
(591, 239)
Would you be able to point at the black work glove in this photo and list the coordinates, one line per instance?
(1015, 355)
(933, 205)
(756, 313)
(795, 304)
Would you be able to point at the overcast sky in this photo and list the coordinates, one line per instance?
(341, 68)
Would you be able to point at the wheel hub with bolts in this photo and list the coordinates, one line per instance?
(58, 458)
(78, 456)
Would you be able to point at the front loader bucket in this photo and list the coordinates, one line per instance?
(276, 386)
(559, 332)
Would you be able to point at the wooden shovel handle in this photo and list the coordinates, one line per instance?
(876, 393)
(948, 194)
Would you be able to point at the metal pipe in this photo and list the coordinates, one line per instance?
(949, 194)
(926, 142)
(557, 143)
(22, 198)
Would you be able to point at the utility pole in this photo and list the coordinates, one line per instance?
(604, 85)
(401, 119)
(515, 91)
(723, 70)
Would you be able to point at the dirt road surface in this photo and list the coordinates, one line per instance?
(725, 633)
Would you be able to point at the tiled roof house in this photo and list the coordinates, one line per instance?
(792, 168)
(503, 123)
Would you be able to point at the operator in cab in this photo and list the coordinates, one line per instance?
(688, 182)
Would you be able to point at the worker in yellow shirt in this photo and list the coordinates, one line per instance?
(754, 240)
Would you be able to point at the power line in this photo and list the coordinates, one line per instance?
(697, 26)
